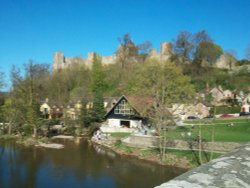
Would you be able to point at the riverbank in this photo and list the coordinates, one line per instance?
(76, 165)
(176, 158)
(151, 155)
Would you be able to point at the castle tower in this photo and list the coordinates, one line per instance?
(166, 48)
(91, 55)
(59, 61)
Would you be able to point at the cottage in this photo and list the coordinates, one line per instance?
(51, 111)
(45, 110)
(184, 110)
(217, 94)
(73, 110)
(245, 108)
(128, 112)
(228, 94)
(202, 110)
(57, 111)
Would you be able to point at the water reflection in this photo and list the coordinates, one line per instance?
(76, 165)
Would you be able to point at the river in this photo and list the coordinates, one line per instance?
(77, 165)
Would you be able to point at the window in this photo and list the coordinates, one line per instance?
(125, 124)
(46, 111)
(243, 109)
(124, 108)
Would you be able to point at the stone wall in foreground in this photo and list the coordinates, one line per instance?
(145, 141)
(231, 170)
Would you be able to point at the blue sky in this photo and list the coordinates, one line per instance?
(35, 29)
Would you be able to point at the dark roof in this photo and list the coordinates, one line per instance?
(140, 104)
(111, 101)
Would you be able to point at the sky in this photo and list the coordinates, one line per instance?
(35, 29)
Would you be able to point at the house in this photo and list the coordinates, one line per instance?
(245, 108)
(109, 102)
(45, 109)
(228, 94)
(57, 111)
(217, 94)
(51, 111)
(182, 111)
(73, 110)
(202, 110)
(129, 112)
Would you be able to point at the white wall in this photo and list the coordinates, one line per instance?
(135, 124)
(116, 123)
(246, 107)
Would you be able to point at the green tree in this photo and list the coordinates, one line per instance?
(208, 52)
(167, 85)
(85, 116)
(2, 98)
(27, 92)
(98, 86)
(165, 82)
(98, 110)
(34, 73)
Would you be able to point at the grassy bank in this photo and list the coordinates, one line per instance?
(239, 132)
(179, 158)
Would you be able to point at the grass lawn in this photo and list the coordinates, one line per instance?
(193, 157)
(120, 135)
(240, 132)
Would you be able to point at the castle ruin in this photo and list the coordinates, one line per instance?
(62, 62)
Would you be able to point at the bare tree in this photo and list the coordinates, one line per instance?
(248, 52)
(127, 51)
(230, 56)
(201, 36)
(183, 45)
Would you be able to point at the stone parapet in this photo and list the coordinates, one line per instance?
(144, 141)
(231, 170)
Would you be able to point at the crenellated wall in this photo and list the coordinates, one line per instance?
(62, 62)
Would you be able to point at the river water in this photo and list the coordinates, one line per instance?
(77, 165)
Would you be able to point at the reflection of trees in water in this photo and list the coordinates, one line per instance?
(80, 160)
(21, 165)
(80, 163)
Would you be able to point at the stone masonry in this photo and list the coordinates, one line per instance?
(62, 62)
(147, 141)
(231, 171)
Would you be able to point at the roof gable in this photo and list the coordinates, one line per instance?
(118, 102)
(140, 104)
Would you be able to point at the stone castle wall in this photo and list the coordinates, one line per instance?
(166, 51)
(62, 62)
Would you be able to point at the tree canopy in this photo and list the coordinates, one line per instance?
(208, 51)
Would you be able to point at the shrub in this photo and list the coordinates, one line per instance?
(225, 110)
(27, 129)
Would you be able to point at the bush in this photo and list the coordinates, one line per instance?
(92, 128)
(225, 110)
(27, 129)
(78, 131)
(118, 143)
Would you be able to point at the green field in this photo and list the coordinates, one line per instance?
(119, 135)
(239, 132)
(193, 156)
